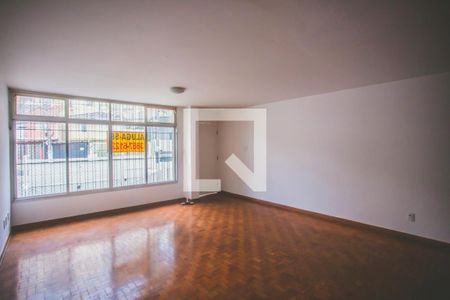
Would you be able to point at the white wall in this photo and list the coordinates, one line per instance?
(29, 211)
(371, 154)
(5, 197)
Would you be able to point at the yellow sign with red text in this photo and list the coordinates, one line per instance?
(128, 141)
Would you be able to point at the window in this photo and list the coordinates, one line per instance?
(88, 157)
(40, 158)
(159, 115)
(128, 155)
(40, 106)
(69, 145)
(127, 112)
(88, 110)
(161, 154)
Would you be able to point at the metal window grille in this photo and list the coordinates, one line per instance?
(88, 110)
(160, 115)
(128, 167)
(88, 157)
(40, 158)
(40, 106)
(127, 112)
(160, 154)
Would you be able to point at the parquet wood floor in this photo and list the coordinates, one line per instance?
(224, 248)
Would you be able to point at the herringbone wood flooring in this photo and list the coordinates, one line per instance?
(224, 248)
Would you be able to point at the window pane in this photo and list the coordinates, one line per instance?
(88, 110)
(128, 155)
(39, 106)
(161, 154)
(127, 112)
(159, 115)
(40, 158)
(88, 157)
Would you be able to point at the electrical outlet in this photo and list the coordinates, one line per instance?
(5, 221)
(412, 217)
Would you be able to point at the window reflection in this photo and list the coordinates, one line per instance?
(44, 271)
(123, 266)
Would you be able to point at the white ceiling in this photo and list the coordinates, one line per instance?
(227, 53)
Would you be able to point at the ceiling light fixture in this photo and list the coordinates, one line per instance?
(178, 89)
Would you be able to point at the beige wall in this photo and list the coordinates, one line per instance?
(208, 150)
(372, 154)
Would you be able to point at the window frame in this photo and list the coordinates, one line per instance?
(14, 117)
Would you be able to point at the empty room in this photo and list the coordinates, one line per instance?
(239, 149)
